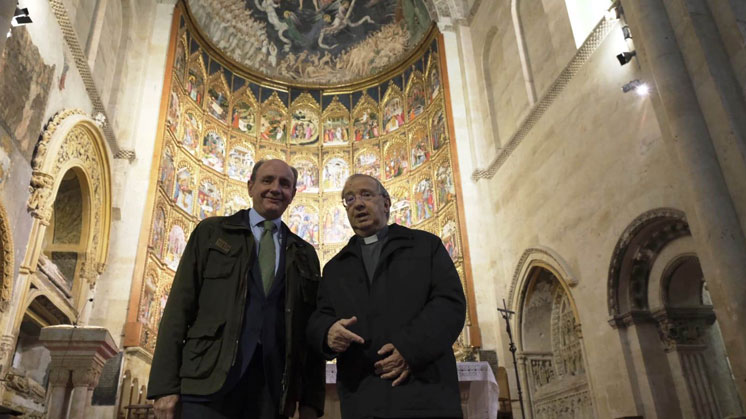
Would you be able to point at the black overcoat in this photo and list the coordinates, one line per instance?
(416, 302)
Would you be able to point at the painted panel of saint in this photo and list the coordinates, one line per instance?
(240, 163)
(401, 211)
(166, 176)
(336, 171)
(416, 100)
(243, 118)
(424, 201)
(273, 126)
(434, 82)
(192, 127)
(213, 151)
(438, 135)
(235, 204)
(336, 227)
(210, 201)
(179, 60)
(159, 232)
(308, 176)
(393, 114)
(175, 247)
(195, 85)
(336, 130)
(217, 104)
(366, 125)
(304, 221)
(368, 163)
(304, 127)
(446, 191)
(183, 195)
(449, 235)
(147, 302)
(174, 107)
(420, 151)
(396, 161)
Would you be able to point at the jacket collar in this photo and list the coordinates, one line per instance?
(237, 221)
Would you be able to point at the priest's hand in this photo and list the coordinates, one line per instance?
(165, 406)
(393, 367)
(339, 338)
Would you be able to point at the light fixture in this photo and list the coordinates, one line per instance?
(21, 17)
(625, 57)
(640, 87)
(626, 32)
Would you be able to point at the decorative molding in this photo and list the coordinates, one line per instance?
(81, 63)
(6, 274)
(539, 254)
(126, 155)
(635, 253)
(581, 57)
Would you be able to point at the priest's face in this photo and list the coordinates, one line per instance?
(367, 209)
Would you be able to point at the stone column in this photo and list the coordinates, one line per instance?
(7, 9)
(78, 353)
(710, 208)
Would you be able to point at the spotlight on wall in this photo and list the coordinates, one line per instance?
(626, 32)
(640, 87)
(625, 57)
(20, 17)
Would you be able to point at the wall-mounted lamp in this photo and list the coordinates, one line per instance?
(626, 32)
(640, 87)
(625, 57)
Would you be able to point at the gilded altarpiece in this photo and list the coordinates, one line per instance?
(218, 123)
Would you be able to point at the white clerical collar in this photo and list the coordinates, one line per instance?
(380, 235)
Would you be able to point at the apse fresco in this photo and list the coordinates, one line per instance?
(216, 125)
(324, 42)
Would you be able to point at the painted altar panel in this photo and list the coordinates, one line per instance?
(216, 125)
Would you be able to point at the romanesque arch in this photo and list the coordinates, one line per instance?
(659, 303)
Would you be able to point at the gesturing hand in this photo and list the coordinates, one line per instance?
(393, 366)
(339, 338)
(165, 407)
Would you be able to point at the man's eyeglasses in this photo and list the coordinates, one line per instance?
(349, 199)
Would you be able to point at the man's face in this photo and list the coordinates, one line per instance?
(272, 190)
(366, 217)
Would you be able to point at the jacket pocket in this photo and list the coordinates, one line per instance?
(219, 264)
(201, 349)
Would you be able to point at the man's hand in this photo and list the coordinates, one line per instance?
(165, 406)
(307, 412)
(338, 338)
(393, 366)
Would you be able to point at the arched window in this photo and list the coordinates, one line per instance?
(584, 16)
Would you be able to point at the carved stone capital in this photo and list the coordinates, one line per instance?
(679, 328)
(59, 377)
(40, 192)
(86, 377)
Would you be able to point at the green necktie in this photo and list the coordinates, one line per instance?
(267, 255)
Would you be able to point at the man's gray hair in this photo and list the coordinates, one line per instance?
(259, 164)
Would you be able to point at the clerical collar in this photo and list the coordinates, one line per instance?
(376, 237)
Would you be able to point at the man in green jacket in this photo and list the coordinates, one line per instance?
(231, 342)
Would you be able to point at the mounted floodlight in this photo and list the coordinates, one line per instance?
(626, 32)
(625, 57)
(20, 17)
(640, 87)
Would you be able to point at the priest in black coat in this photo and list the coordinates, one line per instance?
(390, 305)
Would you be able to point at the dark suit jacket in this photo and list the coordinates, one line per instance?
(415, 301)
(202, 324)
